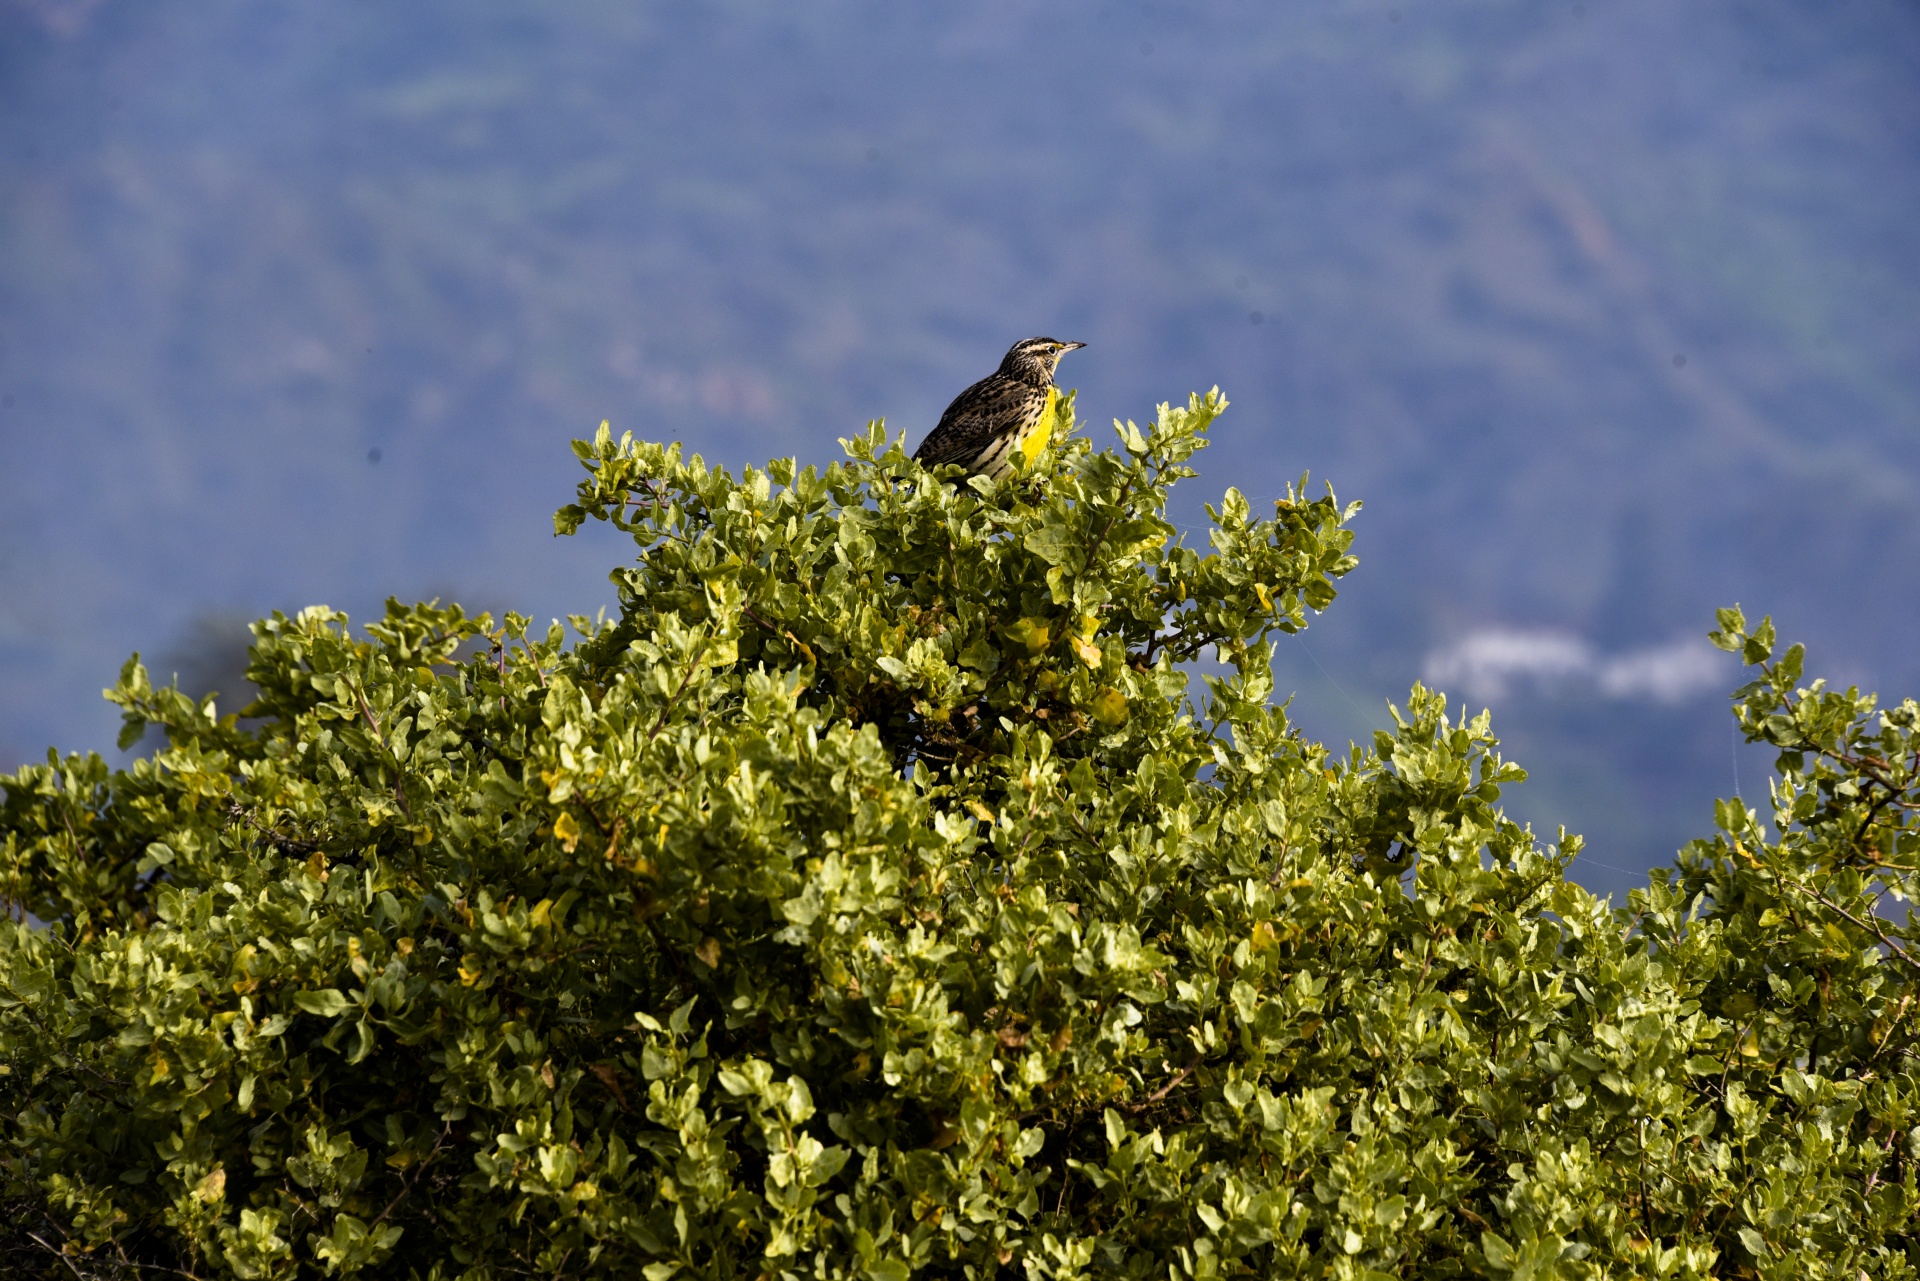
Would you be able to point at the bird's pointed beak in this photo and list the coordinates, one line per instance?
(1072, 346)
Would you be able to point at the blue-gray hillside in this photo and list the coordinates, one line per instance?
(1605, 309)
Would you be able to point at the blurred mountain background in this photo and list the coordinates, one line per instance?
(1610, 312)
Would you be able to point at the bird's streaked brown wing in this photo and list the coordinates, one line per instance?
(978, 416)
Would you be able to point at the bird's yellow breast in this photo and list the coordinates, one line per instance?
(1040, 435)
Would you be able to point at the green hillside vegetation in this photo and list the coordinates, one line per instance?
(877, 896)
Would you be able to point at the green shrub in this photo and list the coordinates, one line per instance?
(870, 900)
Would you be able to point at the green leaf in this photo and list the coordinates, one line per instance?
(327, 1002)
(1499, 1254)
(1053, 543)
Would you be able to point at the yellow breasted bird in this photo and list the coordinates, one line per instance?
(998, 415)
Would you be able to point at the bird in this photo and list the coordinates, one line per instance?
(991, 420)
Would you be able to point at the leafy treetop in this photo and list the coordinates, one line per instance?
(871, 898)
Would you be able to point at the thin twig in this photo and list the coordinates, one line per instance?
(1157, 639)
(58, 1254)
(1167, 1089)
(367, 712)
(685, 678)
(404, 1193)
(1118, 506)
(399, 771)
(1874, 930)
(1899, 1013)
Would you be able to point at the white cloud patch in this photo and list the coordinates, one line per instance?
(1497, 661)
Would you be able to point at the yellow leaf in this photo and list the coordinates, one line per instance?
(1110, 707)
(213, 1187)
(566, 831)
(542, 912)
(1089, 652)
(980, 811)
(470, 970)
(1032, 633)
(709, 952)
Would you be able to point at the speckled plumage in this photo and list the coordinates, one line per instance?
(986, 423)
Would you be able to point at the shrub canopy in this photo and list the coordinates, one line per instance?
(871, 899)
